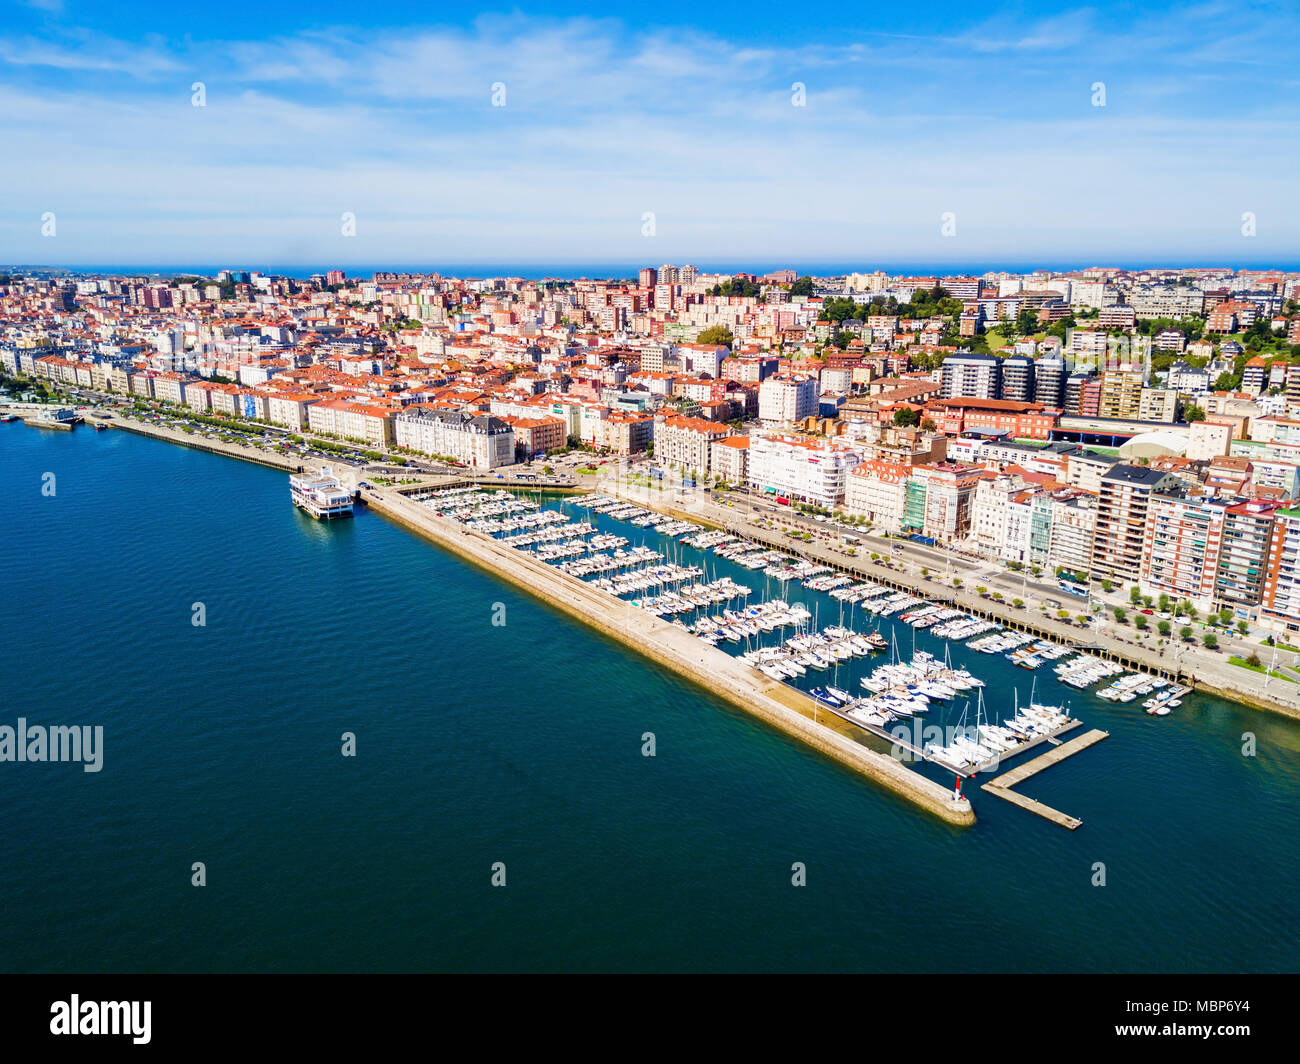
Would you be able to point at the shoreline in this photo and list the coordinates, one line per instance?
(1135, 657)
(776, 704)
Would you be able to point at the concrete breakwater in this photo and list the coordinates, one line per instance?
(777, 704)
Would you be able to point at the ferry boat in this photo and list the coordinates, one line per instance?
(321, 494)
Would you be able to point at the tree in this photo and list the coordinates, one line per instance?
(1121, 614)
(1226, 382)
(928, 425)
(906, 417)
(1164, 628)
(1243, 627)
(1211, 641)
(1063, 614)
(1185, 632)
(1192, 412)
(1134, 594)
(1225, 616)
(716, 334)
(1140, 621)
(802, 287)
(1107, 585)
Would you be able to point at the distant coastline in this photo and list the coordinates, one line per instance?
(573, 271)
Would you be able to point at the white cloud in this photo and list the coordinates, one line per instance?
(603, 123)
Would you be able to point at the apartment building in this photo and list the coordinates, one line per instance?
(970, 376)
(795, 467)
(1244, 554)
(784, 400)
(948, 492)
(627, 432)
(1158, 404)
(1073, 526)
(729, 459)
(1018, 383)
(684, 442)
(877, 490)
(1122, 505)
(1280, 601)
(536, 435)
(989, 512)
(1049, 381)
(481, 441)
(1121, 394)
(1181, 546)
(355, 420)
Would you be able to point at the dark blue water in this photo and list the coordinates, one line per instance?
(573, 270)
(521, 744)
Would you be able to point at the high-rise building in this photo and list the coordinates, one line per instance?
(1049, 381)
(1181, 547)
(1082, 395)
(648, 277)
(1018, 379)
(970, 376)
(1280, 603)
(1122, 507)
(1121, 394)
(1243, 554)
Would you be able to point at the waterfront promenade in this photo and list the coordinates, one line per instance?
(197, 440)
(1190, 665)
(775, 703)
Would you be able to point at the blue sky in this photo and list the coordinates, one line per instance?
(681, 110)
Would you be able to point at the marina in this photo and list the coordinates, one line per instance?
(828, 635)
(726, 788)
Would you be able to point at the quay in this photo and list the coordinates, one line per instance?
(1002, 786)
(776, 703)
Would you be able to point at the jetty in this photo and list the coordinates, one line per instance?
(1002, 786)
(775, 703)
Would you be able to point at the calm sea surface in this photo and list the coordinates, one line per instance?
(522, 744)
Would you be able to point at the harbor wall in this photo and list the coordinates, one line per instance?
(771, 701)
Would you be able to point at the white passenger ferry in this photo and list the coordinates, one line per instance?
(321, 494)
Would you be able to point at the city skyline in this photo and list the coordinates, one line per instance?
(1033, 134)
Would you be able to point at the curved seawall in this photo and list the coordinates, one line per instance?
(773, 702)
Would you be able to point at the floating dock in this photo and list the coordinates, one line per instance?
(1002, 786)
